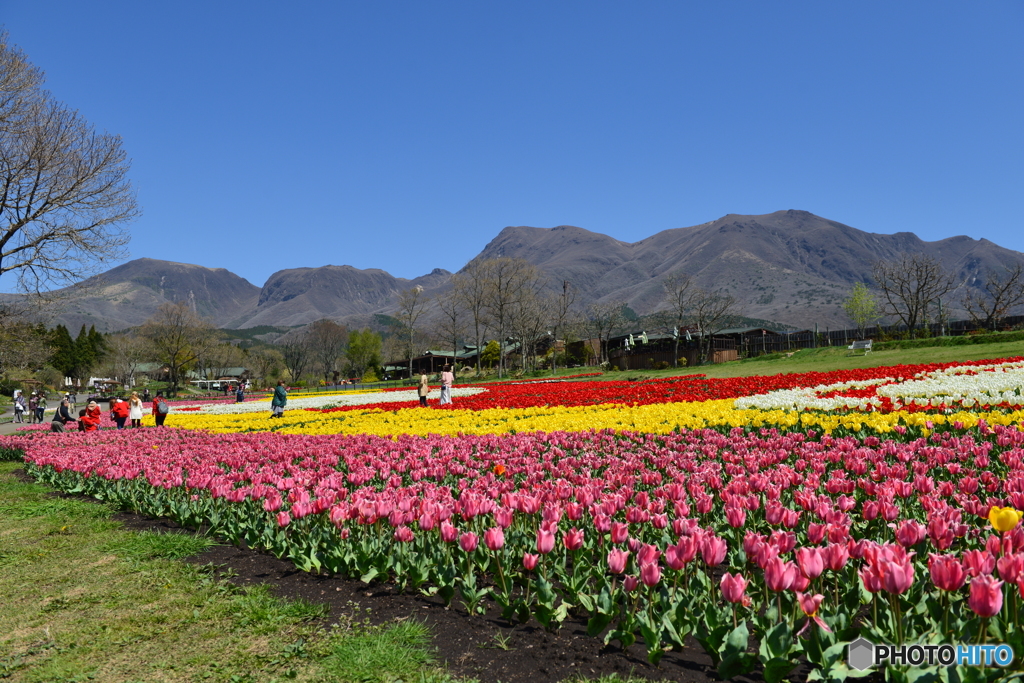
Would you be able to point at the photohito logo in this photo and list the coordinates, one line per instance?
(863, 654)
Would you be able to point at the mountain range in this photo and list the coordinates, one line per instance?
(789, 266)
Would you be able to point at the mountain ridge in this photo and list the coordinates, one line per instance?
(791, 266)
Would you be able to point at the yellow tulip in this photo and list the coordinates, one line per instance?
(1004, 519)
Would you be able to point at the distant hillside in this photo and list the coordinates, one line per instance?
(791, 267)
(127, 295)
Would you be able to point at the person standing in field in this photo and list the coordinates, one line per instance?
(279, 401)
(119, 412)
(32, 402)
(19, 406)
(423, 390)
(447, 380)
(41, 407)
(160, 409)
(135, 409)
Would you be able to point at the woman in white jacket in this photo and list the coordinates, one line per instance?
(135, 409)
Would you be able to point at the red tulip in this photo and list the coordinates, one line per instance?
(733, 587)
(986, 598)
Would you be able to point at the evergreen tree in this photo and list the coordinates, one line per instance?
(63, 358)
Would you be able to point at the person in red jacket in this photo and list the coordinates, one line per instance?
(119, 412)
(92, 417)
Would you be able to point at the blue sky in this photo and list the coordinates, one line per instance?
(406, 135)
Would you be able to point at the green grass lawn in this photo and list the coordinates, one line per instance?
(84, 599)
(826, 359)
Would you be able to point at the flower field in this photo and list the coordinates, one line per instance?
(773, 519)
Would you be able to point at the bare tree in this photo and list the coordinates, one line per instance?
(508, 281)
(528, 321)
(711, 313)
(681, 294)
(561, 311)
(266, 363)
(470, 291)
(178, 337)
(126, 352)
(216, 357)
(411, 304)
(23, 347)
(910, 285)
(604, 320)
(1003, 291)
(326, 341)
(450, 326)
(64, 191)
(295, 351)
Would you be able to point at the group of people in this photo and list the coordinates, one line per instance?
(447, 380)
(35, 406)
(121, 411)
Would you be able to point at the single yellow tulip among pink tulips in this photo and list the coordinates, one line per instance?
(1004, 519)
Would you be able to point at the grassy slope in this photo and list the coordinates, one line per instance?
(824, 360)
(84, 599)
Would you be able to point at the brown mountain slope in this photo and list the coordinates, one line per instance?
(127, 295)
(789, 266)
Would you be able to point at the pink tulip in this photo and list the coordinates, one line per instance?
(448, 532)
(530, 561)
(979, 562)
(647, 554)
(779, 575)
(1011, 567)
(672, 558)
(620, 532)
(946, 572)
(810, 561)
(800, 583)
(468, 541)
(545, 541)
(910, 533)
(736, 517)
(835, 556)
(733, 587)
(403, 534)
(816, 533)
(871, 579)
(986, 598)
(630, 583)
(617, 560)
(283, 518)
(896, 576)
(573, 539)
(650, 573)
(494, 538)
(503, 517)
(810, 604)
(712, 550)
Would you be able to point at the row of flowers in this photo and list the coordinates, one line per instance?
(632, 530)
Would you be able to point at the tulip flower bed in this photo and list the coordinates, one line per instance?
(799, 540)
(793, 512)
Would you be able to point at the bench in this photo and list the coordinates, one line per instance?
(862, 345)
